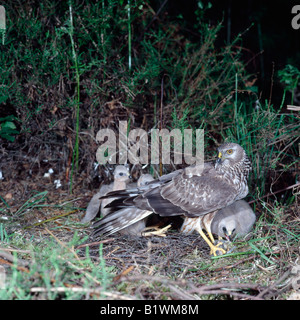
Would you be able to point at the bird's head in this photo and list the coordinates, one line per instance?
(227, 228)
(144, 179)
(121, 173)
(229, 154)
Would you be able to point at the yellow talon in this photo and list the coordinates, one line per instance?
(160, 232)
(215, 249)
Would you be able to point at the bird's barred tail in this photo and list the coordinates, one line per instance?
(118, 220)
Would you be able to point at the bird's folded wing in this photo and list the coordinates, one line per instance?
(197, 195)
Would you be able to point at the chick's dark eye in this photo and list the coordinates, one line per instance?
(229, 151)
(224, 230)
(121, 173)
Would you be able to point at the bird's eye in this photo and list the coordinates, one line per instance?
(224, 230)
(121, 173)
(229, 151)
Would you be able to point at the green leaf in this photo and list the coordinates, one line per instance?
(8, 125)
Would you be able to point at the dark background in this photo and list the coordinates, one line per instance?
(269, 40)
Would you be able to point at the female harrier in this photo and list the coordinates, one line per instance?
(191, 192)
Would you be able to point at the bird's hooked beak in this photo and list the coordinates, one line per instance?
(227, 234)
(228, 237)
(219, 159)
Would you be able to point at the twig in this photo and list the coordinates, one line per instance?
(15, 250)
(275, 192)
(123, 273)
(144, 277)
(95, 243)
(229, 289)
(11, 258)
(51, 219)
(98, 291)
(293, 108)
(181, 294)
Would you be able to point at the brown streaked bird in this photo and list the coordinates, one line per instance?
(192, 192)
(121, 178)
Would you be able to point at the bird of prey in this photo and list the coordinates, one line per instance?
(192, 192)
(121, 178)
(235, 220)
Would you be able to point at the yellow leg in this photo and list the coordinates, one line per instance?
(159, 231)
(214, 249)
(211, 236)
